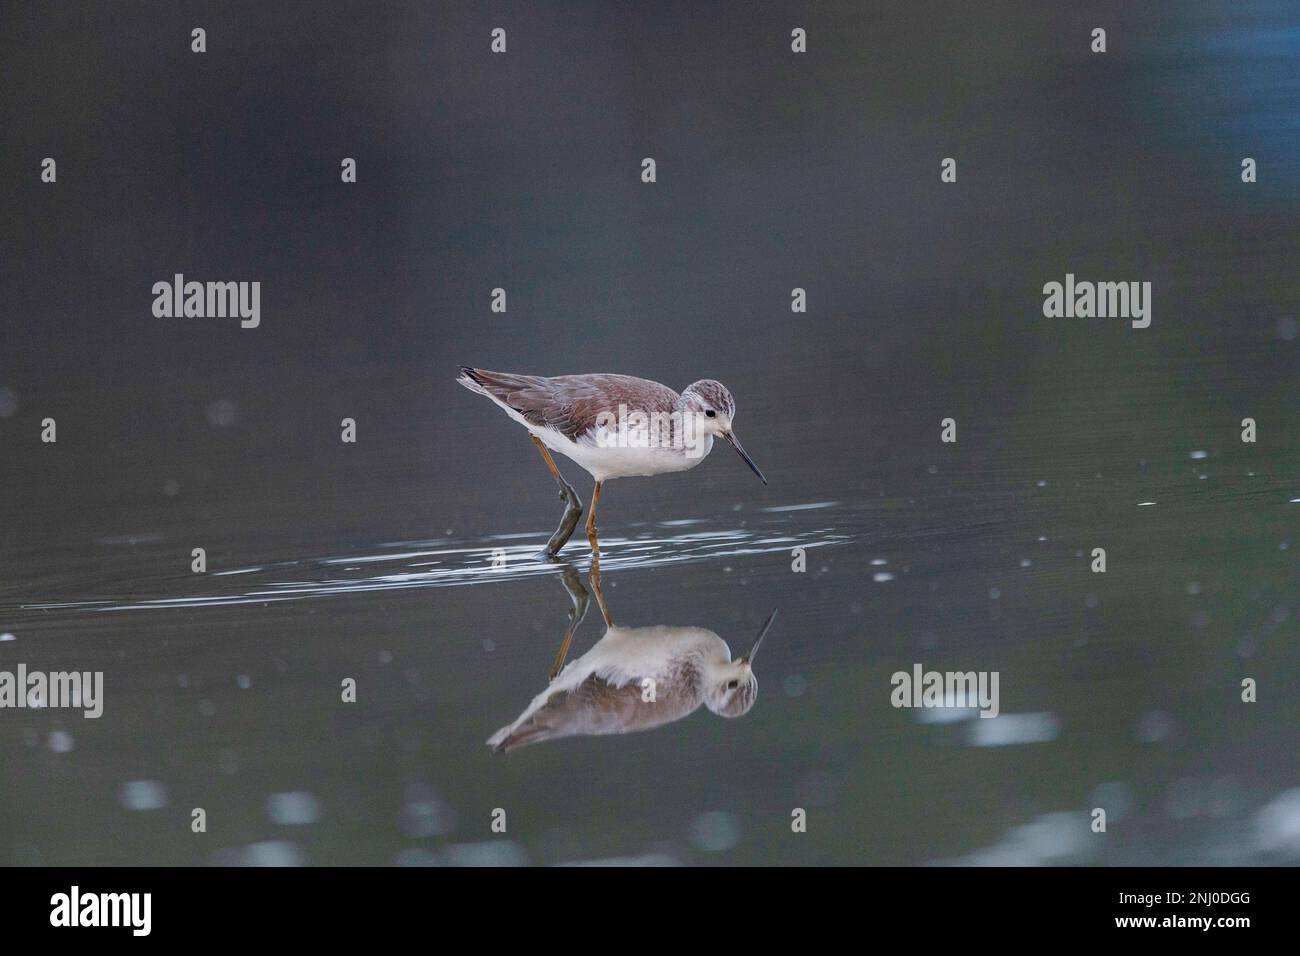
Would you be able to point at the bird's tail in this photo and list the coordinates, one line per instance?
(518, 735)
(472, 379)
(497, 383)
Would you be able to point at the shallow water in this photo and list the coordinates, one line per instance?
(1117, 689)
(406, 562)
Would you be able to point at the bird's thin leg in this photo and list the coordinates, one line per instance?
(581, 599)
(573, 504)
(595, 587)
(591, 520)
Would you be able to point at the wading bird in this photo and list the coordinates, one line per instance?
(614, 426)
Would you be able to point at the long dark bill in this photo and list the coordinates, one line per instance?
(761, 634)
(735, 443)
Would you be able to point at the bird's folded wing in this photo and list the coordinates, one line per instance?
(572, 404)
(596, 707)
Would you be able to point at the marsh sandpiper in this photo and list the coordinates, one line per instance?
(614, 426)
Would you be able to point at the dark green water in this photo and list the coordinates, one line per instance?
(1118, 689)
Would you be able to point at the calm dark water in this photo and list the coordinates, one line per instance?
(1118, 690)
(374, 561)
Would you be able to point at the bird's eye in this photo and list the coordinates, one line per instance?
(710, 413)
(733, 685)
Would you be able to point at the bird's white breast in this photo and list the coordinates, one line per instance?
(605, 457)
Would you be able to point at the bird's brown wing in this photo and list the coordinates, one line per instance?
(570, 404)
(598, 707)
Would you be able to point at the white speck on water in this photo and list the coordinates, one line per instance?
(1050, 838)
(933, 469)
(995, 593)
(1026, 563)
(1277, 824)
(385, 657)
(646, 859)
(293, 808)
(424, 814)
(243, 682)
(1145, 504)
(182, 681)
(877, 562)
(1193, 587)
(715, 831)
(142, 795)
(794, 685)
(222, 413)
(417, 856)
(1042, 537)
(1042, 482)
(1090, 600)
(1009, 729)
(953, 711)
(488, 853)
(60, 741)
(489, 645)
(1198, 455)
(1154, 726)
(945, 715)
(7, 637)
(813, 506)
(880, 577)
(265, 853)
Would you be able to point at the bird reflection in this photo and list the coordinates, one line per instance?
(633, 678)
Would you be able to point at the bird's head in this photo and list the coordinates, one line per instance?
(732, 687)
(712, 411)
(733, 690)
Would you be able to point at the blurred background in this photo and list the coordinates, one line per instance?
(775, 170)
